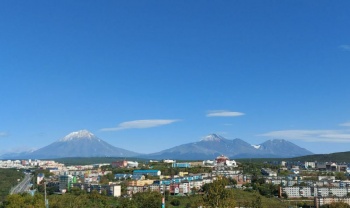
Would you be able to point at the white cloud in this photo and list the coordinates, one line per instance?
(141, 124)
(223, 113)
(340, 136)
(345, 47)
(345, 124)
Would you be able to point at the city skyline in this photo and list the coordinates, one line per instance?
(147, 76)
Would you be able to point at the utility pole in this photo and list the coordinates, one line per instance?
(163, 199)
(46, 200)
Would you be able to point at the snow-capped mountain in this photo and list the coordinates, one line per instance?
(214, 145)
(256, 146)
(78, 144)
(212, 138)
(76, 135)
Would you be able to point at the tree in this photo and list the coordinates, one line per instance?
(76, 191)
(127, 203)
(337, 205)
(340, 176)
(175, 202)
(149, 199)
(14, 201)
(232, 181)
(257, 202)
(24, 200)
(218, 196)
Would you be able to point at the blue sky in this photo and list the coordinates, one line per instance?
(149, 75)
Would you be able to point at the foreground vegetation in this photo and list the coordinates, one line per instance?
(258, 195)
(211, 195)
(8, 179)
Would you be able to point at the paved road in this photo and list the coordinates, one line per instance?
(23, 186)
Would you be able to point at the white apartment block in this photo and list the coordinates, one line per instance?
(296, 191)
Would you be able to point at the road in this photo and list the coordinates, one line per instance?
(23, 186)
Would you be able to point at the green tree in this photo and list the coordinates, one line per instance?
(175, 202)
(126, 203)
(77, 191)
(24, 200)
(218, 196)
(149, 199)
(336, 205)
(14, 201)
(256, 203)
(340, 176)
(339, 205)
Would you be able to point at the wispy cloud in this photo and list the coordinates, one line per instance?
(223, 113)
(340, 136)
(141, 124)
(3, 134)
(18, 149)
(345, 47)
(345, 124)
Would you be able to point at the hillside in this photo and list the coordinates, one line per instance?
(334, 157)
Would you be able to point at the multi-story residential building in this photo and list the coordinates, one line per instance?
(331, 166)
(154, 187)
(308, 165)
(111, 189)
(139, 182)
(39, 178)
(319, 201)
(147, 172)
(65, 182)
(308, 191)
(181, 165)
(135, 189)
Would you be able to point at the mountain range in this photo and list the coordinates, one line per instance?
(85, 144)
(213, 145)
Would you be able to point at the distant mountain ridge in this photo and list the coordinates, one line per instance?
(85, 144)
(214, 145)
